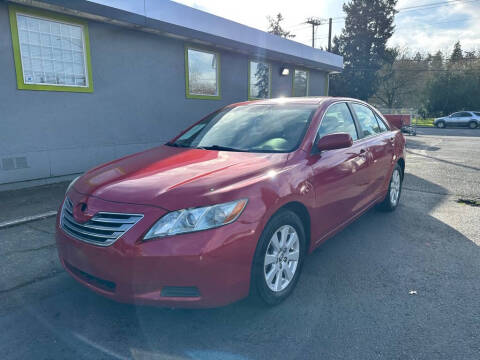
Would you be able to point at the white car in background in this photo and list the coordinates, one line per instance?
(470, 119)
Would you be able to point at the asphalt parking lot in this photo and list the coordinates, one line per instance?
(401, 285)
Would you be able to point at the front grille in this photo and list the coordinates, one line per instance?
(103, 229)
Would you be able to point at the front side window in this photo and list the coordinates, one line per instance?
(367, 120)
(51, 51)
(202, 74)
(251, 128)
(300, 83)
(337, 119)
(259, 80)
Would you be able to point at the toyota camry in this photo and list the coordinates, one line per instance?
(232, 206)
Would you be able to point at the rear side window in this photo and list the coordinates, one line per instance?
(337, 119)
(381, 124)
(367, 120)
(477, 113)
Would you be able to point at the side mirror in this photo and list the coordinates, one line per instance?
(335, 141)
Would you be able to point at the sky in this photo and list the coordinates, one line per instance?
(423, 28)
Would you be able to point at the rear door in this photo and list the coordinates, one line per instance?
(379, 143)
(339, 176)
(464, 118)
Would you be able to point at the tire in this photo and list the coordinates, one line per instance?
(472, 125)
(392, 199)
(441, 125)
(264, 287)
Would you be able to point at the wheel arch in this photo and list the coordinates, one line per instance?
(301, 210)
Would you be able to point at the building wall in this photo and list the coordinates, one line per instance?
(138, 102)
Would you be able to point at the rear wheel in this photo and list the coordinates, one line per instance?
(278, 258)
(472, 125)
(440, 124)
(392, 198)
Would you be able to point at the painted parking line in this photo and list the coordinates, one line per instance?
(27, 219)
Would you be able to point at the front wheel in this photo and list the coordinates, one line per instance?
(392, 198)
(278, 258)
(441, 124)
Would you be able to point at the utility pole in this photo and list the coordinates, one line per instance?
(330, 35)
(314, 22)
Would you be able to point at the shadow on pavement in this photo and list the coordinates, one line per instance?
(418, 144)
(443, 161)
(352, 302)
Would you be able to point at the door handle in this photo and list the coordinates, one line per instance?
(363, 153)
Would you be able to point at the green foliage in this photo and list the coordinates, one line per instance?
(275, 27)
(431, 84)
(368, 26)
(452, 91)
(457, 54)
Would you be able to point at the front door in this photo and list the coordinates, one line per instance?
(339, 176)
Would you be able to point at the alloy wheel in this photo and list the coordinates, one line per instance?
(281, 258)
(395, 187)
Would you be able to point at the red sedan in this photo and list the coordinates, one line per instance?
(231, 206)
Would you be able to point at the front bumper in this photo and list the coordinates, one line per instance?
(216, 262)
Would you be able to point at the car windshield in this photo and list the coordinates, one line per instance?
(251, 128)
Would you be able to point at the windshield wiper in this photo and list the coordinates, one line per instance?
(175, 144)
(221, 148)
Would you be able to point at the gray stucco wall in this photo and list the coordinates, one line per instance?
(138, 102)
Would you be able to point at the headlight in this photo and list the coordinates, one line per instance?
(196, 219)
(71, 184)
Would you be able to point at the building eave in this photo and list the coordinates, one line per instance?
(179, 21)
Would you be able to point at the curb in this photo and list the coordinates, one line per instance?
(27, 219)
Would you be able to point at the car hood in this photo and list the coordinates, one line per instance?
(173, 178)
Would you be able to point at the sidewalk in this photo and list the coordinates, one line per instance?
(32, 201)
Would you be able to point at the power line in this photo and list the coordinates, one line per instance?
(418, 7)
(434, 5)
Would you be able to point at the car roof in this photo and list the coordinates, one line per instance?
(308, 100)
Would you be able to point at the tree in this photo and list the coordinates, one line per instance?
(262, 74)
(275, 28)
(394, 80)
(457, 54)
(437, 61)
(368, 26)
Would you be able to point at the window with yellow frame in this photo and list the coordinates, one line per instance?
(300, 83)
(51, 51)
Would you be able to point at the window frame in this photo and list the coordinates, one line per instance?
(187, 75)
(293, 81)
(249, 97)
(13, 10)
(380, 121)
(381, 118)
(350, 104)
(355, 122)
